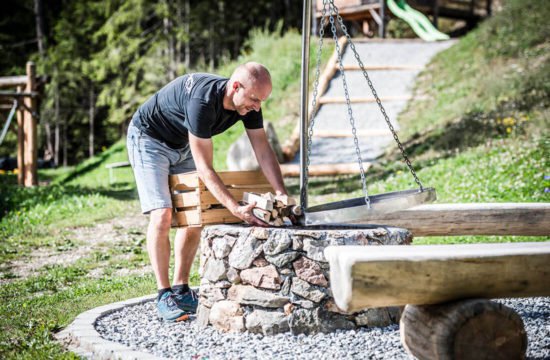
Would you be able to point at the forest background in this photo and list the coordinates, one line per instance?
(102, 59)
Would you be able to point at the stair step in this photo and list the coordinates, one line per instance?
(293, 170)
(342, 100)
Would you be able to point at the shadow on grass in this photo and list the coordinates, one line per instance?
(16, 198)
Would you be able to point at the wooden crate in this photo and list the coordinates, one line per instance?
(195, 205)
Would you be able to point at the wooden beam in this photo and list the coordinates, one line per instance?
(345, 134)
(365, 100)
(20, 144)
(13, 81)
(396, 275)
(355, 67)
(30, 136)
(17, 94)
(528, 219)
(293, 170)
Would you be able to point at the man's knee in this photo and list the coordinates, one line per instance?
(190, 232)
(161, 219)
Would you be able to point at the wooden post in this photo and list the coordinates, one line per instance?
(30, 148)
(20, 144)
(466, 329)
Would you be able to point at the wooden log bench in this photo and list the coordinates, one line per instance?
(527, 219)
(115, 165)
(444, 289)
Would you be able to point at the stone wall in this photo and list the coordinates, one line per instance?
(272, 280)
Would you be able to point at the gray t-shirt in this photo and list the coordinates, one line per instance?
(193, 102)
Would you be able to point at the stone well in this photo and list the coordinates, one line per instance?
(273, 280)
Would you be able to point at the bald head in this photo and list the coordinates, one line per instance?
(248, 87)
(252, 74)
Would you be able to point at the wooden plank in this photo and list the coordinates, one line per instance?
(117, 164)
(230, 178)
(186, 218)
(239, 178)
(528, 219)
(187, 180)
(379, 276)
(342, 134)
(191, 198)
(186, 199)
(356, 67)
(363, 100)
(218, 216)
(9, 81)
(292, 170)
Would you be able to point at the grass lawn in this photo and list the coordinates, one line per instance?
(481, 136)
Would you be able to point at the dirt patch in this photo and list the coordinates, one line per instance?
(85, 240)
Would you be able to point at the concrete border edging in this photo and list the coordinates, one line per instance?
(82, 338)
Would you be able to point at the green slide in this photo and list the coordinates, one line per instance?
(418, 22)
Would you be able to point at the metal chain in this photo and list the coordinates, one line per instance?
(348, 100)
(374, 93)
(333, 9)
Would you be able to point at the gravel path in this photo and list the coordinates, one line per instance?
(139, 328)
(388, 83)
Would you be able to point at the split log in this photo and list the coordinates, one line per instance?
(285, 199)
(463, 330)
(261, 202)
(262, 214)
(380, 276)
(278, 210)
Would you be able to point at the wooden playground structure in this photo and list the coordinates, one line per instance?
(24, 103)
(370, 14)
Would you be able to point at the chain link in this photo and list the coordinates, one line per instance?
(333, 9)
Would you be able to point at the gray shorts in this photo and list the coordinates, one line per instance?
(152, 162)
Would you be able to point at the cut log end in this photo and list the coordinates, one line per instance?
(469, 329)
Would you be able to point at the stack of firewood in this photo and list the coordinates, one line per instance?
(275, 210)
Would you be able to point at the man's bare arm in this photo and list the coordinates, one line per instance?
(203, 150)
(267, 159)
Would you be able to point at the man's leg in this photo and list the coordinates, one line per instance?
(185, 248)
(158, 245)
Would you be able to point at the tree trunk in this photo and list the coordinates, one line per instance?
(56, 121)
(180, 20)
(211, 45)
(38, 15)
(168, 33)
(468, 329)
(186, 26)
(92, 116)
(65, 141)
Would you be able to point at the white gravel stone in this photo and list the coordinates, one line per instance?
(139, 328)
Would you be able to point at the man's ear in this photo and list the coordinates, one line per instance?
(236, 85)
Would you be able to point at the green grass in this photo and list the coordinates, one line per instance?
(480, 137)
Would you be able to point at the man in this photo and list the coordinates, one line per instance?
(171, 133)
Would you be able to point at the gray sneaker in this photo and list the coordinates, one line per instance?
(187, 301)
(168, 308)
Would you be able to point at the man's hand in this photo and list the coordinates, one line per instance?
(245, 213)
